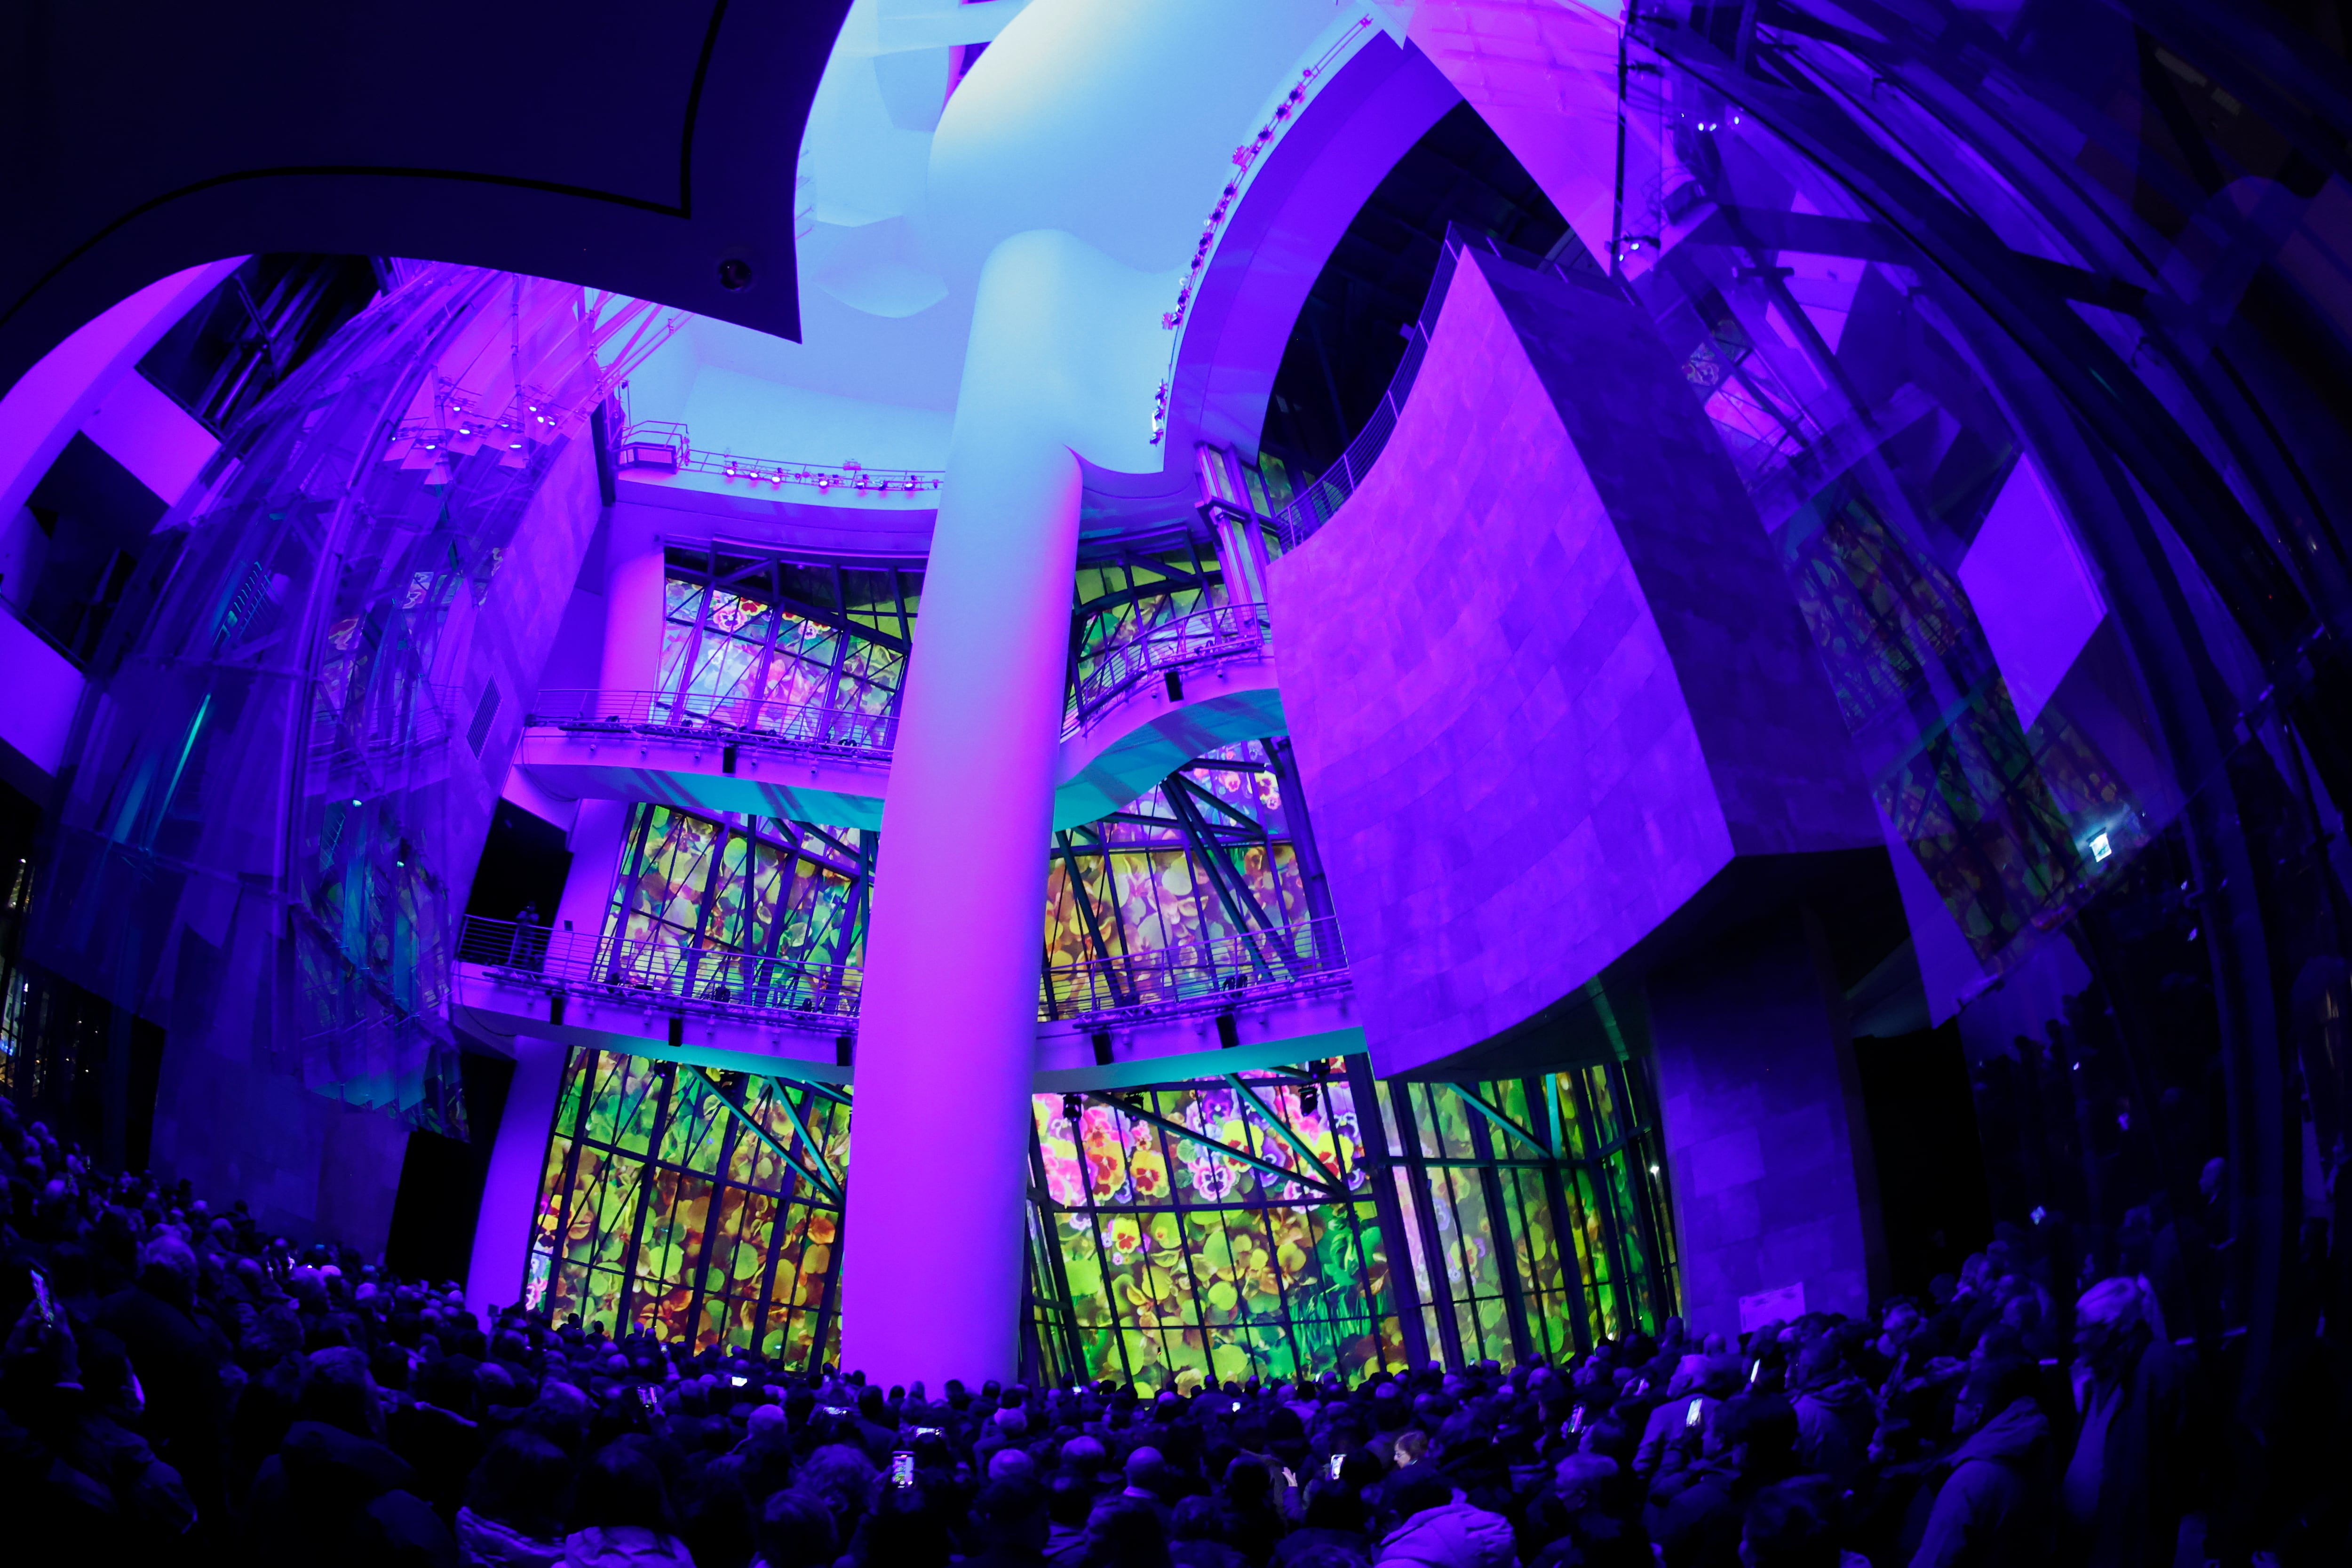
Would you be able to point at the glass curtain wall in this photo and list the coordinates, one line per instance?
(1534, 1210)
(1199, 881)
(1251, 1247)
(1248, 1225)
(699, 1207)
(1196, 888)
(707, 903)
(785, 647)
(1121, 597)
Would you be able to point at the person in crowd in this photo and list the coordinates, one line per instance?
(1751, 1444)
(1200, 1536)
(1125, 1531)
(2122, 1494)
(1573, 1525)
(1335, 1517)
(1432, 1528)
(1992, 1505)
(186, 1387)
(621, 1514)
(516, 1502)
(1786, 1527)
(1009, 1524)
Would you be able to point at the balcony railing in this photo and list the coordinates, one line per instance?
(1220, 633)
(658, 973)
(1201, 976)
(1228, 970)
(742, 719)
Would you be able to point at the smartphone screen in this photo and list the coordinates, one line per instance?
(738, 1379)
(1754, 1373)
(1338, 1461)
(650, 1397)
(48, 1308)
(930, 1431)
(902, 1468)
(1576, 1419)
(1691, 1416)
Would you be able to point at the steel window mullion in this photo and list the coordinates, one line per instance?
(1644, 1190)
(582, 1061)
(1605, 1200)
(1102, 1252)
(1449, 1329)
(1192, 1279)
(826, 1304)
(1404, 1294)
(1050, 1242)
(779, 1227)
(1463, 1250)
(1567, 1238)
(700, 1268)
(1500, 1214)
(1263, 1214)
(649, 1180)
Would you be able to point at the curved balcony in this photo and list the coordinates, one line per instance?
(1225, 972)
(636, 971)
(1204, 636)
(1244, 996)
(1148, 705)
(807, 762)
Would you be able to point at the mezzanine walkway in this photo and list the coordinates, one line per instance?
(1176, 690)
(1261, 998)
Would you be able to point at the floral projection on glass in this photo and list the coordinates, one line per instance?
(711, 892)
(775, 644)
(1121, 596)
(1228, 1254)
(273, 795)
(1533, 1227)
(1183, 1263)
(667, 1204)
(1205, 863)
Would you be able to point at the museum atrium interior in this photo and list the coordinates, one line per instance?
(1180, 691)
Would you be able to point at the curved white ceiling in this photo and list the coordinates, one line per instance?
(1114, 120)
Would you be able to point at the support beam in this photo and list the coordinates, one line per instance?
(1284, 1131)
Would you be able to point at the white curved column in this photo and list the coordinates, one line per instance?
(939, 1162)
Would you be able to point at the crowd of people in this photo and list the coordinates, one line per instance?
(179, 1386)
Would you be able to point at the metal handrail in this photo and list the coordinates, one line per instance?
(656, 972)
(735, 720)
(1225, 970)
(1197, 976)
(1221, 632)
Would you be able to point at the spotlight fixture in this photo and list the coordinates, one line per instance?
(1073, 1107)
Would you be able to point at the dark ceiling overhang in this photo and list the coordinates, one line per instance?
(629, 147)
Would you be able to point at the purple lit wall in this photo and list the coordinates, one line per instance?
(1545, 682)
